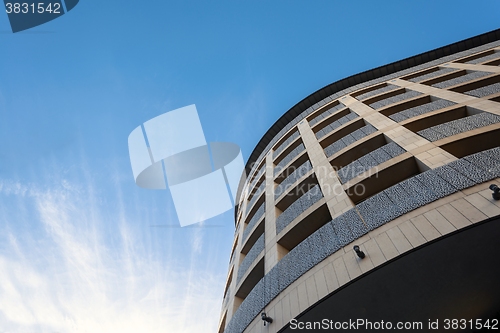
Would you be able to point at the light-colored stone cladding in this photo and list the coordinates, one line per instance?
(454, 203)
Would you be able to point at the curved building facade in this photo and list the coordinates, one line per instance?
(397, 161)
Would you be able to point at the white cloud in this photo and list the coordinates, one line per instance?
(74, 269)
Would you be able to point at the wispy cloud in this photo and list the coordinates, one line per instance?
(61, 271)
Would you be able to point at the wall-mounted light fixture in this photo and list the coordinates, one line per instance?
(496, 191)
(265, 318)
(360, 253)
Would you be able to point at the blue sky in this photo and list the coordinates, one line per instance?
(82, 248)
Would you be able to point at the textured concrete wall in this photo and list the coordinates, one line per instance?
(395, 99)
(461, 79)
(285, 143)
(366, 216)
(492, 56)
(326, 113)
(439, 72)
(303, 257)
(337, 123)
(369, 161)
(254, 252)
(420, 110)
(429, 186)
(371, 93)
(261, 189)
(288, 158)
(255, 218)
(348, 139)
(458, 126)
(297, 207)
(227, 298)
(257, 177)
(292, 179)
(484, 91)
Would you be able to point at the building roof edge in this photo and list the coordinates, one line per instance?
(371, 74)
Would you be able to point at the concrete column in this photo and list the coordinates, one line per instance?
(271, 257)
(336, 199)
(236, 263)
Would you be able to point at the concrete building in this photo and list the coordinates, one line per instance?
(397, 160)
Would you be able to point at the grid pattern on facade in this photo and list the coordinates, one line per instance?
(370, 214)
(352, 89)
(439, 174)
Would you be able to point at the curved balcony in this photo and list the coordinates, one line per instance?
(428, 106)
(485, 91)
(316, 118)
(481, 58)
(342, 131)
(257, 177)
(283, 145)
(254, 252)
(465, 77)
(429, 186)
(349, 139)
(380, 177)
(233, 250)
(291, 156)
(370, 160)
(291, 179)
(251, 269)
(253, 230)
(457, 126)
(334, 124)
(257, 193)
(227, 288)
(481, 88)
(472, 141)
(297, 207)
(257, 215)
(374, 91)
(433, 73)
(402, 96)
